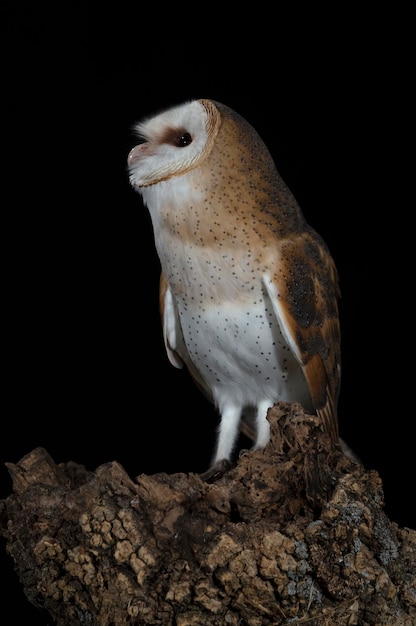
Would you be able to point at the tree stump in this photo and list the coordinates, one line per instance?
(293, 534)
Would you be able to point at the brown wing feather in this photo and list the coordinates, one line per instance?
(308, 286)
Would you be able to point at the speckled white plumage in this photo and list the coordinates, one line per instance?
(248, 291)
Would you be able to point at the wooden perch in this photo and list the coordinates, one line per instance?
(294, 534)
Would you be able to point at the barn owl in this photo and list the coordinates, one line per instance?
(249, 291)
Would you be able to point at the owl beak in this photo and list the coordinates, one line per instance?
(134, 155)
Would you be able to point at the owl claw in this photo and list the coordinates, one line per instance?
(216, 471)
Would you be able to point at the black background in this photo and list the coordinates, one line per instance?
(85, 371)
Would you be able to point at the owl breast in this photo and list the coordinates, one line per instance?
(229, 328)
(239, 350)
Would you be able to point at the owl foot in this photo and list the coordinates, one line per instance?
(216, 471)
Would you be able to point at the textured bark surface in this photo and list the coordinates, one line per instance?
(293, 534)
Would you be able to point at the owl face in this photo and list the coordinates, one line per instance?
(173, 142)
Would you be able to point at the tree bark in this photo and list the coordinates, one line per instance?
(293, 534)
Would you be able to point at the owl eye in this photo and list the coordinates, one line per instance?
(184, 140)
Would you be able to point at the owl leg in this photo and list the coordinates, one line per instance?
(261, 436)
(227, 436)
(262, 425)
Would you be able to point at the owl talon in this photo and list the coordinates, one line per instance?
(216, 471)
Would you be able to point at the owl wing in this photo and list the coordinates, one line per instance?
(304, 291)
(172, 332)
(173, 337)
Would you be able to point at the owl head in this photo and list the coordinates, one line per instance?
(181, 138)
(173, 142)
